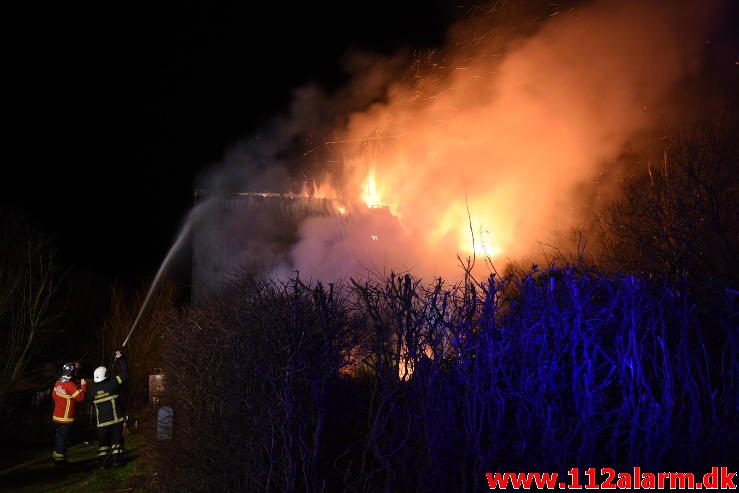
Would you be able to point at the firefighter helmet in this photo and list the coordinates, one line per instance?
(101, 373)
(69, 371)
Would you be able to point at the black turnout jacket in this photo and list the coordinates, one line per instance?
(105, 397)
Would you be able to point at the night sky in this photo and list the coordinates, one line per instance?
(115, 109)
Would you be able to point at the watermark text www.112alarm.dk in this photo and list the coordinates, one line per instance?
(607, 478)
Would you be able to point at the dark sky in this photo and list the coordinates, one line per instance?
(114, 109)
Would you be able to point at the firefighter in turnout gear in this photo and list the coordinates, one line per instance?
(109, 415)
(66, 395)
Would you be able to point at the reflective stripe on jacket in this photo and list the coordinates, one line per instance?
(105, 397)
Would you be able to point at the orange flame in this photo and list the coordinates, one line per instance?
(370, 195)
(321, 190)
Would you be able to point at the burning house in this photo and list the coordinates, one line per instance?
(247, 234)
(270, 234)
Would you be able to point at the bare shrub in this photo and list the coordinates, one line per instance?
(30, 298)
(399, 385)
(263, 407)
(680, 216)
(145, 344)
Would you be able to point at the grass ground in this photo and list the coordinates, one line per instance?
(82, 474)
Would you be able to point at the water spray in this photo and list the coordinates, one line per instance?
(184, 232)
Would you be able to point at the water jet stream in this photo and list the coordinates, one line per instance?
(184, 232)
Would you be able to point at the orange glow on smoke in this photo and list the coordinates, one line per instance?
(472, 235)
(497, 148)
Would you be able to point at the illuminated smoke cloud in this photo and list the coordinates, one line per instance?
(506, 138)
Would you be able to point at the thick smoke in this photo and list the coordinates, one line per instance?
(238, 233)
(492, 147)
